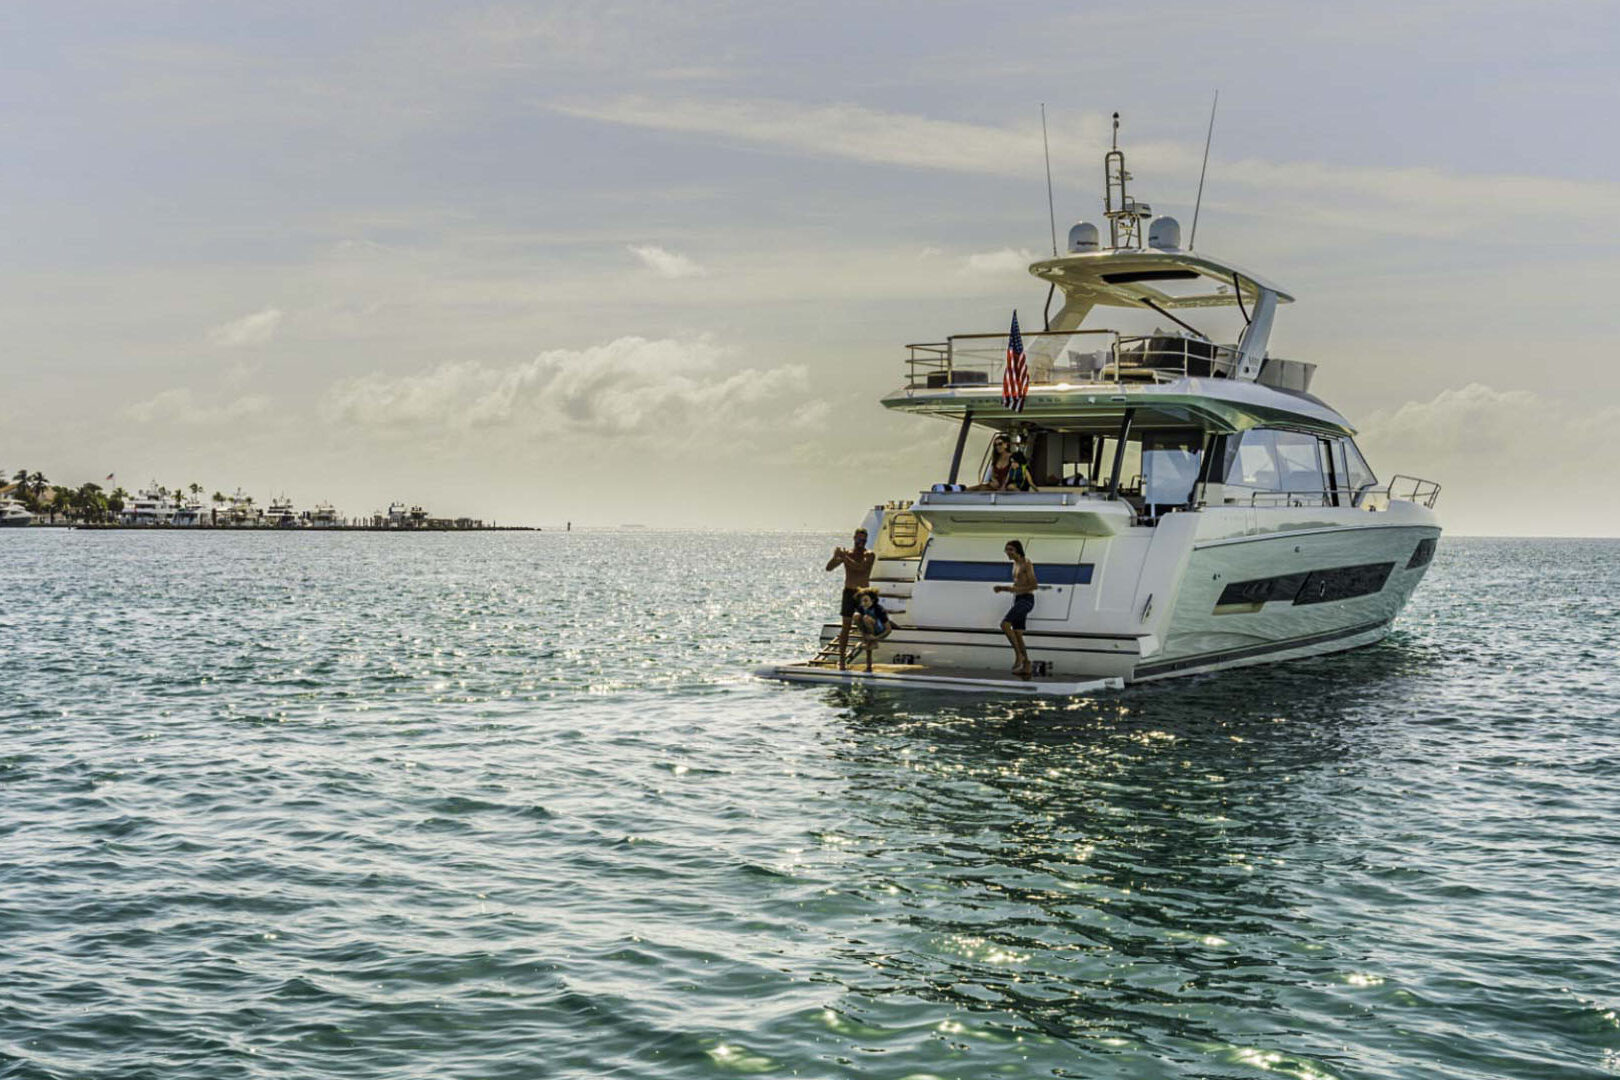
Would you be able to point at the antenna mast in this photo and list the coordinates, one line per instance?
(1192, 237)
(1046, 148)
(1125, 214)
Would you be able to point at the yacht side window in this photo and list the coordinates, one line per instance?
(1170, 466)
(1300, 463)
(1338, 471)
(1360, 475)
(1252, 461)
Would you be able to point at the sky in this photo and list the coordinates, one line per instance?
(656, 263)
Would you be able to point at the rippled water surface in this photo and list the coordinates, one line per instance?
(508, 805)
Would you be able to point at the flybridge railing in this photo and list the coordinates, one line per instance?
(1062, 356)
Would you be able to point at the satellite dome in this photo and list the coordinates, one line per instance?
(1165, 233)
(1083, 238)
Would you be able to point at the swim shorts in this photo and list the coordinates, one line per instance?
(1023, 604)
(851, 603)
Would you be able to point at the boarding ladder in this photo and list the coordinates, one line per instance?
(828, 656)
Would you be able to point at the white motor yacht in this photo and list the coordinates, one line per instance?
(13, 513)
(150, 506)
(1193, 506)
(280, 514)
(191, 514)
(239, 511)
(324, 516)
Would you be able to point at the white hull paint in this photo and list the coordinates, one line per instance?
(1150, 609)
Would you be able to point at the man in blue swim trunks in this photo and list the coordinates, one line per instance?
(1023, 589)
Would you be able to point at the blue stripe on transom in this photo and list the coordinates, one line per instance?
(1045, 573)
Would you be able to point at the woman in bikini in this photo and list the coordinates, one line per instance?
(1000, 467)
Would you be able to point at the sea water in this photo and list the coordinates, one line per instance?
(510, 805)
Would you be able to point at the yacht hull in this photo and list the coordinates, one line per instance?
(1202, 592)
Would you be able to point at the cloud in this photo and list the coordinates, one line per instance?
(1416, 201)
(181, 406)
(848, 131)
(254, 329)
(630, 388)
(992, 263)
(666, 264)
(1496, 481)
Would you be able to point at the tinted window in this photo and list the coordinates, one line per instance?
(1299, 461)
(1324, 586)
(1170, 467)
(1360, 475)
(1422, 554)
(1252, 460)
(1314, 587)
(1339, 473)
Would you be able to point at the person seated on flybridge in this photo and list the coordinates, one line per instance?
(873, 619)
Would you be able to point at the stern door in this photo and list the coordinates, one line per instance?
(1060, 569)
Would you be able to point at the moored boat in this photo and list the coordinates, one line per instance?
(1193, 506)
(14, 514)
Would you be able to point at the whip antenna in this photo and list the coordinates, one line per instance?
(1208, 135)
(1046, 147)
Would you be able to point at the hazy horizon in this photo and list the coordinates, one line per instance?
(656, 264)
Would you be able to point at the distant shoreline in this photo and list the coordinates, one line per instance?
(114, 527)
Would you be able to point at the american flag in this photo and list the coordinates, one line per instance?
(1015, 379)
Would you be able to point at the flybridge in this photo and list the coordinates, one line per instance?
(1152, 271)
(1144, 267)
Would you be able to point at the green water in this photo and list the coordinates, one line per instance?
(508, 805)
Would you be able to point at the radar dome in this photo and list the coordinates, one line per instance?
(1165, 233)
(1083, 237)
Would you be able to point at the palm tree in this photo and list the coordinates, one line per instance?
(90, 503)
(38, 483)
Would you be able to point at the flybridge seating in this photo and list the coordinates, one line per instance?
(1060, 358)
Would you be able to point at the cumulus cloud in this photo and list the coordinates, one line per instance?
(254, 329)
(1511, 461)
(666, 264)
(181, 406)
(628, 388)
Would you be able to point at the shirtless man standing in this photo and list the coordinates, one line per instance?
(1023, 589)
(857, 564)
